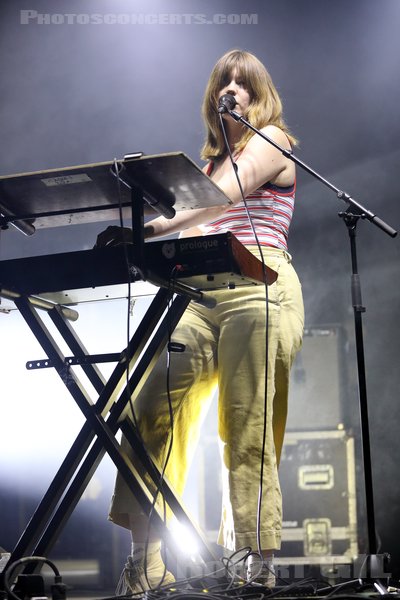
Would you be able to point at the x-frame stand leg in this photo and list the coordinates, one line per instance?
(97, 435)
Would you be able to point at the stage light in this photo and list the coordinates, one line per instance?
(184, 539)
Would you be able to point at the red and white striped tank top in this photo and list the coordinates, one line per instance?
(271, 210)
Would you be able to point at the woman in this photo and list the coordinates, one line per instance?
(226, 346)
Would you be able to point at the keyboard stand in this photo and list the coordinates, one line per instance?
(103, 420)
(75, 194)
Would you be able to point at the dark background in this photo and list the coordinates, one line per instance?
(75, 94)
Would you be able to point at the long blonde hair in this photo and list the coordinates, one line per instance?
(265, 104)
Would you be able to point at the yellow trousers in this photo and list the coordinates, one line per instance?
(226, 347)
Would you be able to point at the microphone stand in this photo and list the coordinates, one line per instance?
(373, 563)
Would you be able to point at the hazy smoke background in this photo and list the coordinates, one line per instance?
(76, 94)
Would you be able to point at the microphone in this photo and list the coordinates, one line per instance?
(226, 103)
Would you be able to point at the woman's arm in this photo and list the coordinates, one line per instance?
(258, 163)
(183, 220)
(191, 232)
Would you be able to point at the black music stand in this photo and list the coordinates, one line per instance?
(89, 193)
(82, 194)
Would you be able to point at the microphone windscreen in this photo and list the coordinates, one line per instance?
(226, 102)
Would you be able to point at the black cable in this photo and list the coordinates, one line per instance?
(171, 417)
(247, 590)
(21, 561)
(264, 435)
(129, 283)
(159, 486)
(171, 281)
(340, 586)
(228, 562)
(128, 338)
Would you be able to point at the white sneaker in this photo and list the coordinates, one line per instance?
(134, 580)
(261, 572)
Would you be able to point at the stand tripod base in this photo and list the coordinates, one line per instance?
(374, 571)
